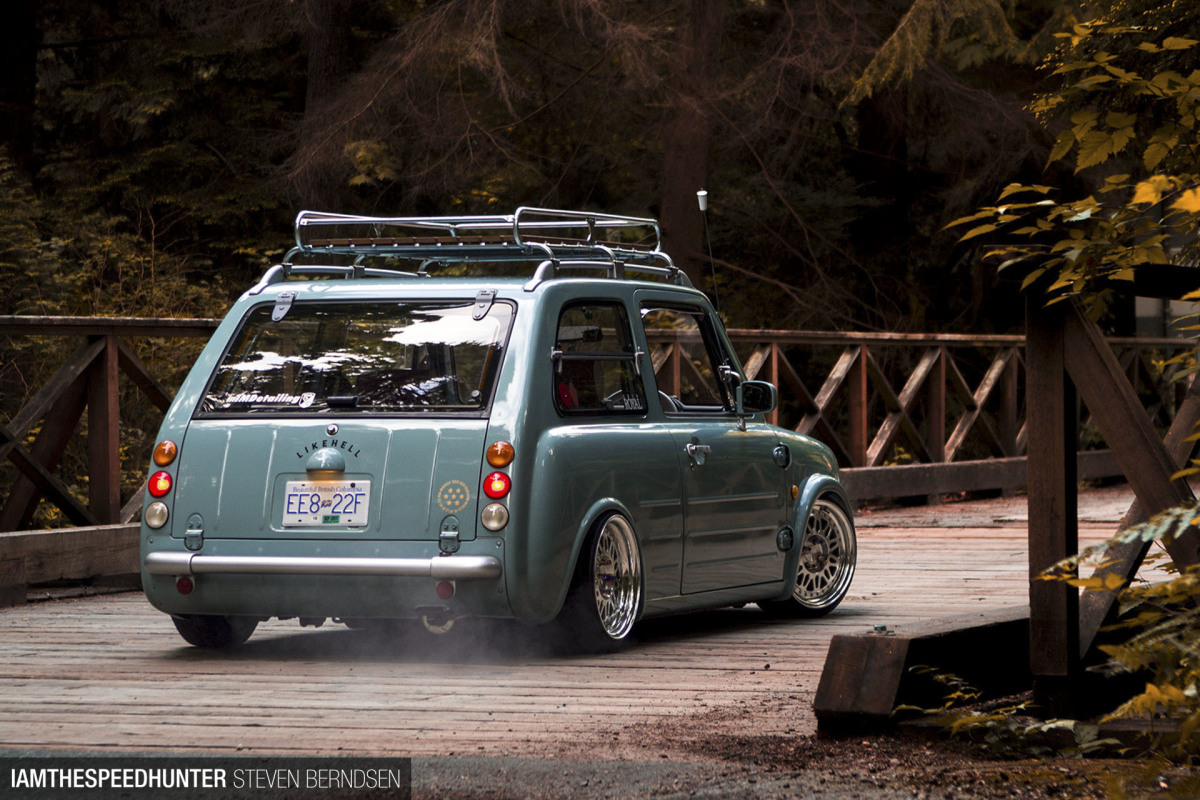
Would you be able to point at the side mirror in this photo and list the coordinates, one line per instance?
(755, 397)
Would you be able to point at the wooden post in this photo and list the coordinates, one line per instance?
(676, 357)
(935, 415)
(857, 387)
(1053, 517)
(773, 417)
(1009, 404)
(104, 434)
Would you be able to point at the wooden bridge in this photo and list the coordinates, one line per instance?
(110, 674)
(906, 415)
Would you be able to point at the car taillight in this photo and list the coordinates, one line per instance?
(494, 516)
(156, 514)
(496, 485)
(160, 483)
(500, 454)
(165, 452)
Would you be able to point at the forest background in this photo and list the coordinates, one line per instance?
(154, 154)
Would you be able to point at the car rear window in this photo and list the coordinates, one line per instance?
(376, 357)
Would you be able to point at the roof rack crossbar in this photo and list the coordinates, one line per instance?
(615, 269)
(280, 272)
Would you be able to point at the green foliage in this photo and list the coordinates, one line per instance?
(1127, 120)
(1006, 728)
(1128, 111)
(1160, 627)
(967, 32)
(91, 266)
(1163, 620)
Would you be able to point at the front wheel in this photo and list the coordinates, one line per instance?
(214, 632)
(605, 598)
(828, 553)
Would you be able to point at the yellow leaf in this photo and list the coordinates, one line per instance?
(978, 215)
(1120, 138)
(1062, 146)
(1155, 153)
(1178, 43)
(1031, 277)
(1086, 583)
(1012, 188)
(978, 231)
(1150, 190)
(1189, 201)
(1095, 148)
(1085, 119)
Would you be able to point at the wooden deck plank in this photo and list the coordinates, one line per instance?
(110, 673)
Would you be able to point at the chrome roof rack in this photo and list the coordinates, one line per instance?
(559, 240)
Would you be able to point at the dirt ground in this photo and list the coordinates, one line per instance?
(719, 754)
(880, 767)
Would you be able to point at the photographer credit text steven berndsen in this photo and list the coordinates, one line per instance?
(206, 778)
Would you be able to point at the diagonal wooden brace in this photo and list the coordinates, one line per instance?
(1144, 458)
(1095, 606)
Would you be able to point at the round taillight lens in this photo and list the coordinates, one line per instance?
(494, 516)
(500, 454)
(165, 452)
(160, 483)
(156, 514)
(184, 584)
(496, 485)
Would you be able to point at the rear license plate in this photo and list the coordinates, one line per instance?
(338, 504)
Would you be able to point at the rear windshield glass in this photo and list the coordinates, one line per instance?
(411, 357)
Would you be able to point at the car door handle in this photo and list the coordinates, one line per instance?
(697, 452)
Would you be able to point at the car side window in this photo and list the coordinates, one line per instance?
(595, 361)
(688, 359)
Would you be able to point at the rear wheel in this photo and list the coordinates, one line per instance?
(606, 596)
(828, 553)
(214, 632)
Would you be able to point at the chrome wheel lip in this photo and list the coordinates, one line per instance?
(828, 554)
(616, 577)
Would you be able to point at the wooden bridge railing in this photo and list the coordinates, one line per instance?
(922, 414)
(36, 437)
(906, 414)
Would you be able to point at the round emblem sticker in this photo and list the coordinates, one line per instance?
(453, 496)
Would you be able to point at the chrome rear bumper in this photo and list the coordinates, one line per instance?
(448, 568)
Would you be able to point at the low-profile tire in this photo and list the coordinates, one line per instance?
(605, 598)
(828, 552)
(214, 632)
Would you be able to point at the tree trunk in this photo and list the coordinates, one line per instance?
(687, 134)
(19, 39)
(328, 66)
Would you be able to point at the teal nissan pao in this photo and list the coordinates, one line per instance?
(530, 416)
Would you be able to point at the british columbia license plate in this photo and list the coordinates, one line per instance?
(326, 503)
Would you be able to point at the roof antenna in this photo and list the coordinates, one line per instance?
(702, 199)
